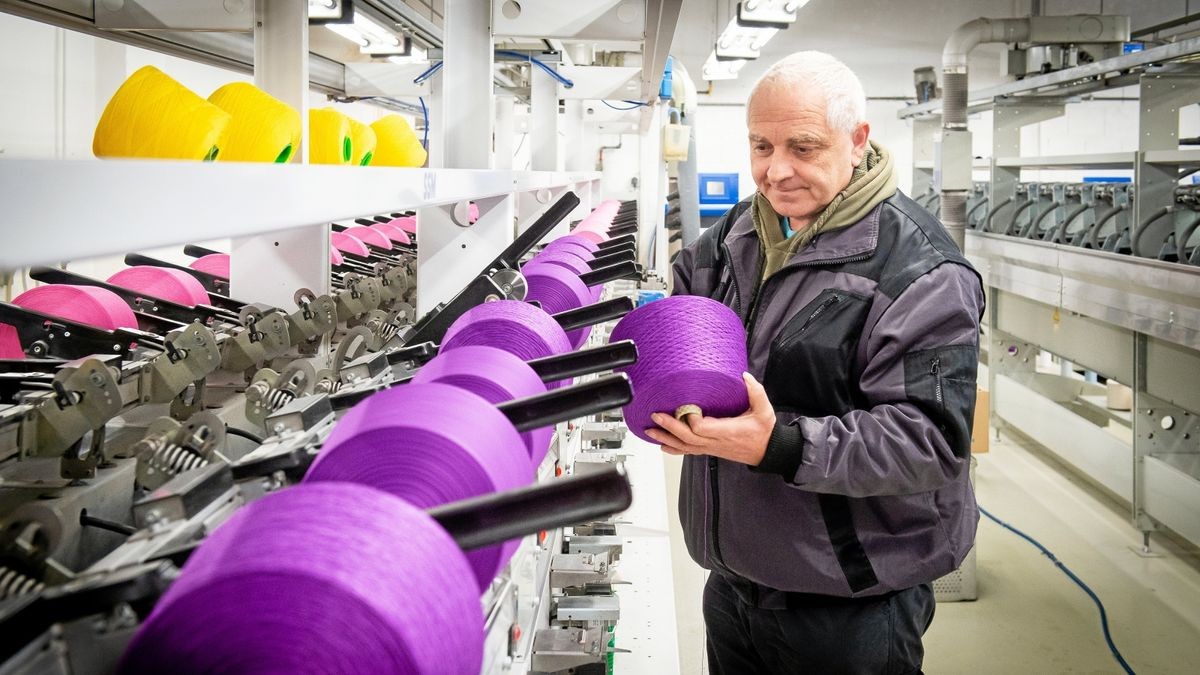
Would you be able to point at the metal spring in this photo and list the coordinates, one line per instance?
(327, 386)
(13, 584)
(279, 398)
(387, 331)
(173, 459)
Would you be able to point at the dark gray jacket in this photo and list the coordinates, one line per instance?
(867, 342)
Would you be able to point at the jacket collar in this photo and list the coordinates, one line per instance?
(854, 241)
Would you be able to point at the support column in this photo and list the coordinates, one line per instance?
(466, 86)
(504, 132)
(270, 268)
(543, 122)
(651, 177)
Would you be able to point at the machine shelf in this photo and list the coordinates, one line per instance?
(103, 207)
(1148, 296)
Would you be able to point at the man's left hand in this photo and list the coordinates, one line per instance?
(740, 439)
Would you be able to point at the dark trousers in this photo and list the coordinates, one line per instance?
(814, 634)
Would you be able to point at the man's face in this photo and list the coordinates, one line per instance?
(798, 162)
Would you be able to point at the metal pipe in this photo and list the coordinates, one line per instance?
(954, 103)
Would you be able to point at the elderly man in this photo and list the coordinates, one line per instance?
(825, 511)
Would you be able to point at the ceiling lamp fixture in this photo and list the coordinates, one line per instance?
(375, 39)
(721, 70)
(769, 13)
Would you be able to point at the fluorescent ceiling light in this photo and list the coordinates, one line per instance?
(373, 38)
(742, 42)
(721, 70)
(418, 55)
(321, 11)
(349, 32)
(769, 13)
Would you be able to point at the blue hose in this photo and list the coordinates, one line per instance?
(1079, 582)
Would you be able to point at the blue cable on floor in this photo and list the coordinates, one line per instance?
(1079, 582)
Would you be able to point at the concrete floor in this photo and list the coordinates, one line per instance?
(1030, 618)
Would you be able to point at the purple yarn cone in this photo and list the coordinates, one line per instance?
(320, 578)
(429, 444)
(517, 327)
(691, 350)
(559, 290)
(494, 375)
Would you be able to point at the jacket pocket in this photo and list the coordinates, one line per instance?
(941, 382)
(810, 364)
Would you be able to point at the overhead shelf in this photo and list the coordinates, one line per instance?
(1080, 79)
(1103, 160)
(93, 207)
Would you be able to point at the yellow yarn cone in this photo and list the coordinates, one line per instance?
(263, 129)
(328, 137)
(397, 143)
(152, 115)
(362, 138)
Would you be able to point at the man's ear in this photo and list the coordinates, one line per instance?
(859, 138)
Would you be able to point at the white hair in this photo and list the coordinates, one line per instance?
(845, 102)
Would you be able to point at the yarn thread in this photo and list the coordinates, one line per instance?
(691, 350)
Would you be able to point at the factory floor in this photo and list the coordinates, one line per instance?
(1029, 618)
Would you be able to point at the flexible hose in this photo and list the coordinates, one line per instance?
(1035, 225)
(987, 219)
(1012, 224)
(1061, 232)
(1137, 235)
(1094, 230)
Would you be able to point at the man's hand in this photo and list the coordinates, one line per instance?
(739, 439)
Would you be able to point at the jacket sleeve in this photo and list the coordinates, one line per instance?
(914, 432)
(682, 270)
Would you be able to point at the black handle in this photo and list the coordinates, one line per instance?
(420, 352)
(617, 242)
(590, 315)
(618, 255)
(560, 405)
(198, 251)
(491, 519)
(585, 361)
(536, 232)
(625, 270)
(35, 327)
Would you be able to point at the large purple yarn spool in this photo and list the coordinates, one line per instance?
(494, 375)
(559, 290)
(562, 258)
(575, 240)
(570, 247)
(517, 327)
(321, 578)
(429, 444)
(691, 351)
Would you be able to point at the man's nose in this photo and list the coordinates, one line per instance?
(779, 169)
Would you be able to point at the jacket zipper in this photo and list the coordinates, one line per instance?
(831, 300)
(713, 484)
(935, 370)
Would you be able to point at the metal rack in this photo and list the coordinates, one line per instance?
(1129, 318)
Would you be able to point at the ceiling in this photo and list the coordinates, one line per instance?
(882, 40)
